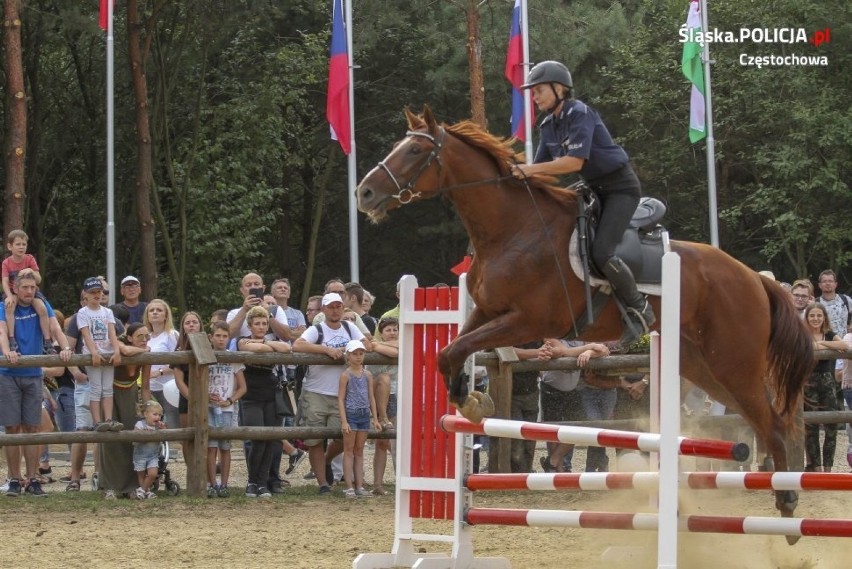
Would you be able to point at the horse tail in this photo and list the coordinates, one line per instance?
(791, 350)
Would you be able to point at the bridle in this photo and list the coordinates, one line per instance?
(407, 194)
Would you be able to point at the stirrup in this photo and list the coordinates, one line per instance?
(638, 318)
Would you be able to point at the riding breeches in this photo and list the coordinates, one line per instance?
(619, 194)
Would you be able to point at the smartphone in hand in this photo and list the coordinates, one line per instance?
(256, 292)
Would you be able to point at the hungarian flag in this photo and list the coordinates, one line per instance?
(514, 72)
(693, 68)
(103, 17)
(337, 106)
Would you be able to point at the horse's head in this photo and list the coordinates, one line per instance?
(408, 173)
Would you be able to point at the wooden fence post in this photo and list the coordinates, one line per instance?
(196, 449)
(500, 389)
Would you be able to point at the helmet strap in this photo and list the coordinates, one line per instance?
(556, 97)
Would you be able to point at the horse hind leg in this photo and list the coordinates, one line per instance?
(754, 403)
(776, 460)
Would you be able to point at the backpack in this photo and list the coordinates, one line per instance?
(845, 300)
(297, 374)
(320, 335)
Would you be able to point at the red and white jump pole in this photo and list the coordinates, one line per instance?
(588, 436)
(650, 522)
(591, 481)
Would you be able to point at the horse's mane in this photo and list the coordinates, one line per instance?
(501, 151)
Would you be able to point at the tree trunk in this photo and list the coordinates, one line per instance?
(137, 52)
(16, 130)
(474, 59)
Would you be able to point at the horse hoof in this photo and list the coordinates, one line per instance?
(476, 407)
(472, 410)
(786, 502)
(792, 539)
(485, 402)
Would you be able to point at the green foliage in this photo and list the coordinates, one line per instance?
(782, 136)
(243, 161)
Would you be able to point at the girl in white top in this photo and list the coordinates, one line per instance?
(97, 326)
(164, 338)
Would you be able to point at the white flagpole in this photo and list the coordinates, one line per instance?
(711, 142)
(110, 151)
(525, 41)
(353, 206)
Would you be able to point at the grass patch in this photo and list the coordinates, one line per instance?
(88, 502)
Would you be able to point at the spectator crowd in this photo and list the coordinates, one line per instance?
(110, 395)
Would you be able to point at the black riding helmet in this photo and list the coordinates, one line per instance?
(550, 72)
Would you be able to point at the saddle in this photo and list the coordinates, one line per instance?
(641, 248)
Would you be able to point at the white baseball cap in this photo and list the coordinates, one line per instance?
(331, 297)
(353, 345)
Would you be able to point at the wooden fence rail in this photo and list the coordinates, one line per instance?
(500, 364)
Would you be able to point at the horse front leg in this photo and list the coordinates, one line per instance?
(477, 334)
(451, 362)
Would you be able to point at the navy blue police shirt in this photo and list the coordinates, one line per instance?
(578, 131)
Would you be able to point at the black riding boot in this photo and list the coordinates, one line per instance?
(640, 315)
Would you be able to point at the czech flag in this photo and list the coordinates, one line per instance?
(514, 72)
(103, 16)
(337, 105)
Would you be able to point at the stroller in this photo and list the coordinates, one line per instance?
(163, 473)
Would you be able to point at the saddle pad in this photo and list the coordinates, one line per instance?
(577, 267)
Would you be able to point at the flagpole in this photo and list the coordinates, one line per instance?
(110, 152)
(525, 41)
(711, 142)
(352, 182)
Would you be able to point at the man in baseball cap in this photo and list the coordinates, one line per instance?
(131, 290)
(319, 390)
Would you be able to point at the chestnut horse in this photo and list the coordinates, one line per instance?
(741, 340)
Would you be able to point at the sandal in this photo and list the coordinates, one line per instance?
(73, 487)
(379, 491)
(44, 479)
(67, 478)
(349, 493)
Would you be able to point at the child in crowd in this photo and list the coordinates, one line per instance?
(227, 384)
(357, 414)
(385, 384)
(97, 326)
(146, 456)
(21, 262)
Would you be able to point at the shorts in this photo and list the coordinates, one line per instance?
(227, 419)
(82, 407)
(318, 410)
(20, 400)
(358, 419)
(146, 456)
